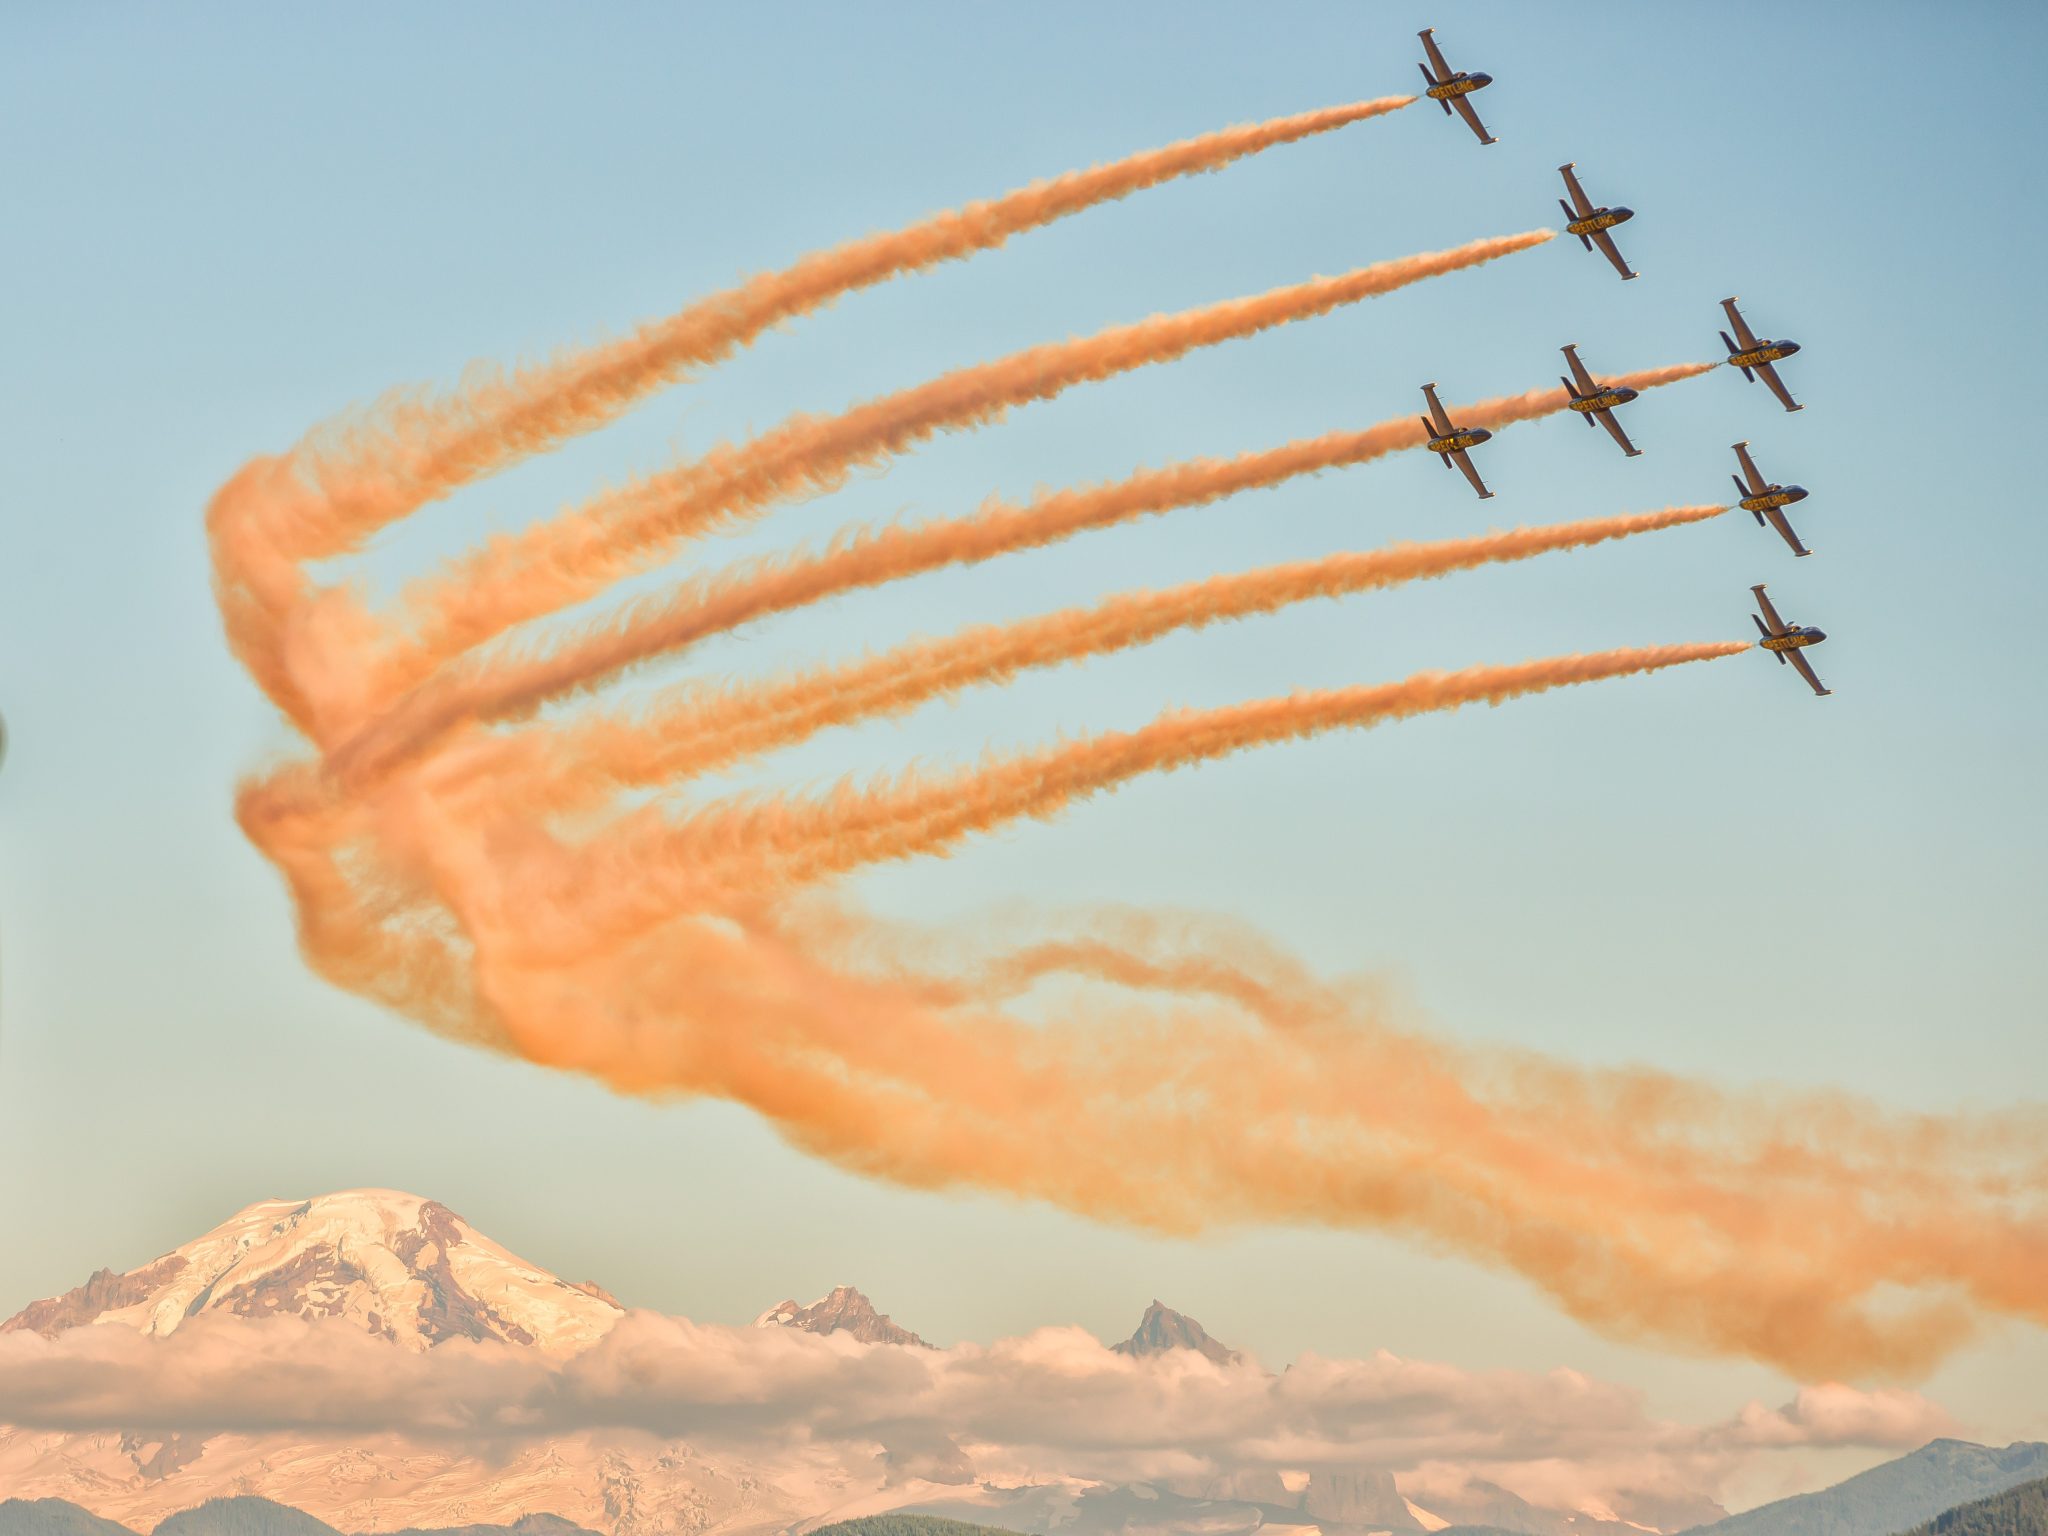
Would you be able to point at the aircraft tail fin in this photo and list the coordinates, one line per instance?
(1732, 350)
(1569, 387)
(1761, 627)
(1427, 425)
(1584, 241)
(1742, 492)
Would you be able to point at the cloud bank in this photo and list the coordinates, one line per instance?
(1052, 1403)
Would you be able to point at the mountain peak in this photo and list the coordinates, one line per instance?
(842, 1310)
(1162, 1329)
(400, 1266)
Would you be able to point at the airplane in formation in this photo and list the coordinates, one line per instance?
(1451, 89)
(1591, 224)
(1763, 499)
(1449, 441)
(1595, 402)
(1786, 641)
(1754, 357)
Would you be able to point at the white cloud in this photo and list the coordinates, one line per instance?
(1051, 1403)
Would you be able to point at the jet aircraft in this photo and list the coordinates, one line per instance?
(1755, 357)
(1596, 402)
(1763, 499)
(1450, 88)
(1786, 641)
(1591, 224)
(1449, 442)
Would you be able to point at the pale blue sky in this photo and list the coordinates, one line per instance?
(227, 222)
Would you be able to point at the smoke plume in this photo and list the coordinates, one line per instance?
(498, 873)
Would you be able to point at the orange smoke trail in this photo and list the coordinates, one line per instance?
(344, 483)
(1220, 1084)
(495, 688)
(556, 564)
(1190, 1123)
(729, 853)
(596, 756)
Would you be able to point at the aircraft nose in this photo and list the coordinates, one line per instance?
(1626, 395)
(1818, 635)
(1795, 493)
(1789, 347)
(1479, 78)
(1480, 434)
(1622, 215)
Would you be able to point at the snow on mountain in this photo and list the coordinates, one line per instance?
(1162, 1329)
(844, 1310)
(396, 1265)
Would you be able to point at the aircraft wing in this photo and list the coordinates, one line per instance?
(1463, 104)
(1613, 253)
(1770, 614)
(1757, 484)
(1471, 474)
(1799, 660)
(1437, 415)
(1614, 431)
(1744, 336)
(1582, 208)
(1770, 376)
(1436, 57)
(1582, 379)
(1784, 527)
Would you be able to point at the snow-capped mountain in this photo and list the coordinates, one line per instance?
(407, 1269)
(392, 1270)
(412, 1273)
(844, 1310)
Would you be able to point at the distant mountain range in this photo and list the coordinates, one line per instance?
(1896, 1496)
(234, 1517)
(412, 1275)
